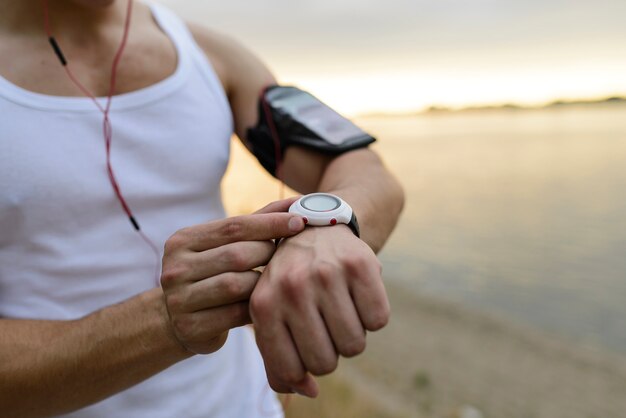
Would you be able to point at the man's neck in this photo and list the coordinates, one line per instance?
(65, 17)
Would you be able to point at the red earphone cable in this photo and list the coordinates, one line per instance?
(107, 128)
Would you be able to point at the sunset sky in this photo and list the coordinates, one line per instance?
(404, 55)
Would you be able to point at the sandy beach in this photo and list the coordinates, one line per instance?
(438, 359)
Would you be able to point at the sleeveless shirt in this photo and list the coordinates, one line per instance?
(66, 247)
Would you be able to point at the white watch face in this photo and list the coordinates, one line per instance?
(320, 203)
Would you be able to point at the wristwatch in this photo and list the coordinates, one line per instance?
(324, 209)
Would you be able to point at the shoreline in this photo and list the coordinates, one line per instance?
(438, 359)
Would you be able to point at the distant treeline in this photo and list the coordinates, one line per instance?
(512, 106)
(507, 106)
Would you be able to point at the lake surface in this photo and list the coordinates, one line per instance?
(519, 213)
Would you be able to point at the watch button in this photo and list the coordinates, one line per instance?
(333, 221)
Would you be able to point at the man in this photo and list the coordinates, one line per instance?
(83, 330)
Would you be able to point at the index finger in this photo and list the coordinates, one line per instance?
(257, 227)
(279, 205)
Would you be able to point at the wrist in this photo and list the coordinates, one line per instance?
(319, 236)
(154, 302)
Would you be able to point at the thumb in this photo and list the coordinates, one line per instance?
(307, 387)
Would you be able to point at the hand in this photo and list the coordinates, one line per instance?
(314, 301)
(207, 273)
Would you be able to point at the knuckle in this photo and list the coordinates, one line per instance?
(260, 306)
(279, 388)
(235, 259)
(289, 376)
(379, 318)
(298, 270)
(177, 240)
(353, 347)
(325, 366)
(325, 274)
(293, 287)
(233, 227)
(354, 264)
(174, 302)
(230, 286)
(172, 274)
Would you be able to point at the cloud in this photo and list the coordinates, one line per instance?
(538, 48)
(442, 24)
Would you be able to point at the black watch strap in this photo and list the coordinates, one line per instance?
(354, 225)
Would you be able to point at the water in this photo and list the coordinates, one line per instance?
(519, 213)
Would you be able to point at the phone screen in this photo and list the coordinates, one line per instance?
(317, 117)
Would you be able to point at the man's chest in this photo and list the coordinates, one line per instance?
(149, 57)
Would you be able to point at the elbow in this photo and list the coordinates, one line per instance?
(396, 196)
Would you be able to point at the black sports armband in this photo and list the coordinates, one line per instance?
(289, 116)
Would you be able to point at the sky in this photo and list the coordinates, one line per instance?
(406, 55)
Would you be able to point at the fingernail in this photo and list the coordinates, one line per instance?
(296, 224)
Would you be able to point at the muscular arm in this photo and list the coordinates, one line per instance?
(323, 289)
(52, 367)
(359, 176)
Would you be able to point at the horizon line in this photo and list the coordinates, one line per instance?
(436, 108)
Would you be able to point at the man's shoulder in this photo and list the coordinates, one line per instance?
(217, 47)
(234, 63)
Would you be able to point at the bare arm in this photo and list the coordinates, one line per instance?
(52, 367)
(359, 177)
(323, 289)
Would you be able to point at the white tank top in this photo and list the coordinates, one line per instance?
(67, 248)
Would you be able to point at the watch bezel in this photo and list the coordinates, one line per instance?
(343, 214)
(303, 202)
